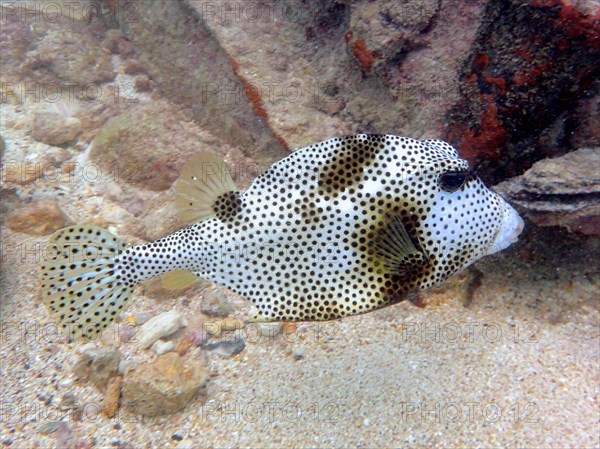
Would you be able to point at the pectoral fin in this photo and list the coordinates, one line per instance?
(395, 249)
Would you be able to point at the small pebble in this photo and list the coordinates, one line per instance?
(85, 348)
(54, 128)
(41, 217)
(184, 344)
(142, 83)
(231, 324)
(226, 348)
(132, 67)
(290, 328)
(110, 406)
(270, 330)
(213, 329)
(162, 347)
(124, 364)
(163, 386)
(215, 303)
(160, 326)
(298, 352)
(199, 337)
(142, 318)
(65, 383)
(126, 332)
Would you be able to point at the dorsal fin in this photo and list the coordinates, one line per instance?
(397, 252)
(177, 279)
(205, 188)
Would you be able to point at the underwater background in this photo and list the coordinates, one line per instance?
(104, 101)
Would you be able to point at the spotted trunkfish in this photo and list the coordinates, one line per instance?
(338, 228)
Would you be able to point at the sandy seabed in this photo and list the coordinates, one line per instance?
(516, 366)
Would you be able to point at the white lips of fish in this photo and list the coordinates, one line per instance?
(338, 228)
(511, 227)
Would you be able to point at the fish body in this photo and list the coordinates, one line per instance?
(338, 228)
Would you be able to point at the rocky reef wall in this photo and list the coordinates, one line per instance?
(508, 82)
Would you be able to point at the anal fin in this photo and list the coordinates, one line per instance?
(177, 279)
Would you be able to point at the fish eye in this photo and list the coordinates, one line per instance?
(451, 181)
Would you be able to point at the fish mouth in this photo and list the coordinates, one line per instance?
(508, 233)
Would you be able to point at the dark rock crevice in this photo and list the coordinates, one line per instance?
(527, 70)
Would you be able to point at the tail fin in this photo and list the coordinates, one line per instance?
(82, 284)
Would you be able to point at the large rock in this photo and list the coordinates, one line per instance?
(41, 217)
(53, 54)
(98, 366)
(163, 386)
(564, 191)
(46, 45)
(148, 144)
(526, 85)
(340, 67)
(54, 128)
(293, 86)
(508, 82)
(73, 55)
(406, 47)
(189, 66)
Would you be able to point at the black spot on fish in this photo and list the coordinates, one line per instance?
(227, 206)
(347, 166)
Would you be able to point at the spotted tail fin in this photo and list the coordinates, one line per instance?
(82, 284)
